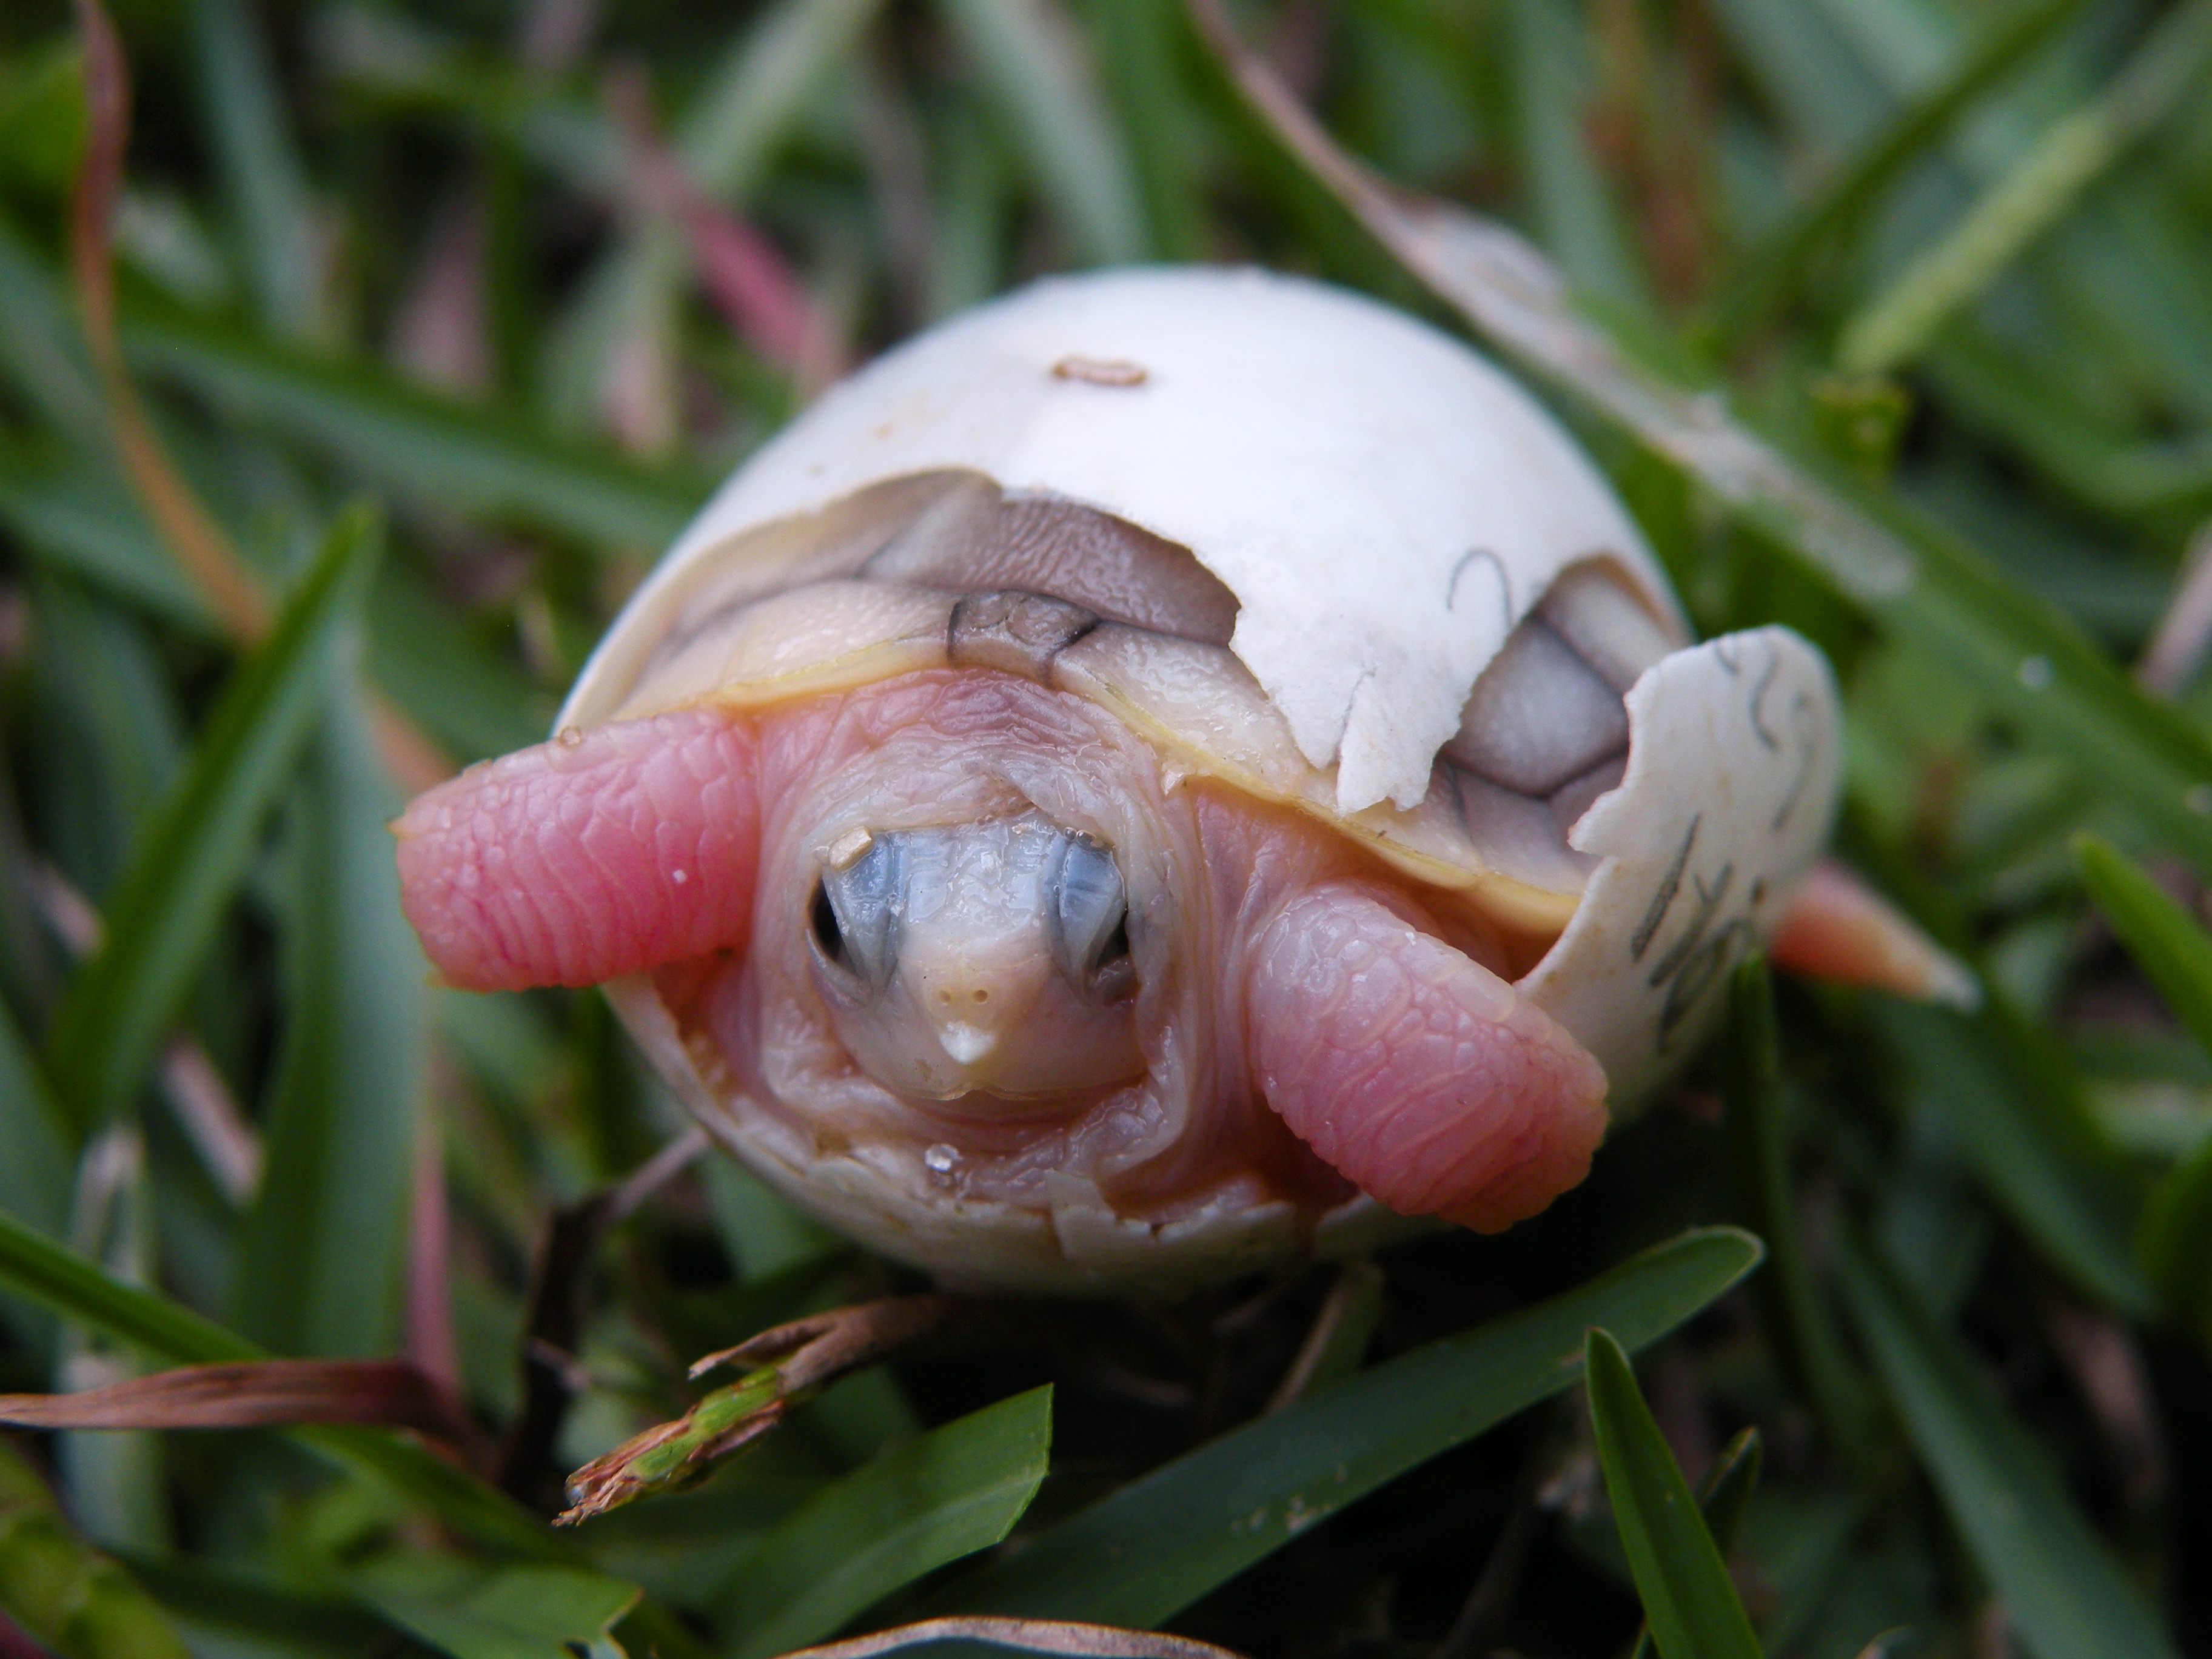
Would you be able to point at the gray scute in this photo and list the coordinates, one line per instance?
(1016, 632)
(1539, 716)
(973, 538)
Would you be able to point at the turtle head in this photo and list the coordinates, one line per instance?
(978, 961)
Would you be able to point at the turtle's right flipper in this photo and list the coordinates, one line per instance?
(1418, 1075)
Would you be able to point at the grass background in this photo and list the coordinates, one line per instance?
(402, 337)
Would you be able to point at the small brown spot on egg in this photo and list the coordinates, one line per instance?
(1093, 371)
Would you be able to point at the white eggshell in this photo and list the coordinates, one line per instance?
(1384, 504)
(1734, 760)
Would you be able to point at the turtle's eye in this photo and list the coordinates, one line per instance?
(1090, 919)
(827, 933)
(855, 916)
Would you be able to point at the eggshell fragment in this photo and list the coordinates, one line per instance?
(1734, 762)
(1383, 502)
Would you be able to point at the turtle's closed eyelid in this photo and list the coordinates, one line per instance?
(864, 903)
(1089, 905)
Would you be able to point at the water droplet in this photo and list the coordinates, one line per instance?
(941, 1158)
(569, 736)
(678, 876)
(2035, 672)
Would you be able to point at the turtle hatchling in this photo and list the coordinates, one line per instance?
(1172, 770)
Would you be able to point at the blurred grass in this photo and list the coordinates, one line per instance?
(1950, 260)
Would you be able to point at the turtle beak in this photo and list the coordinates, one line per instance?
(975, 986)
(960, 961)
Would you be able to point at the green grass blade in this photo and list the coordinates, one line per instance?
(41, 354)
(758, 93)
(1161, 1542)
(1798, 1322)
(1692, 1609)
(81, 519)
(66, 1283)
(468, 696)
(318, 1263)
(278, 232)
(530, 1610)
(1905, 574)
(1577, 216)
(751, 103)
(420, 446)
(2039, 671)
(952, 1492)
(1724, 1498)
(1138, 43)
(225, 1609)
(2174, 1242)
(1036, 72)
(1724, 1495)
(2165, 940)
(2063, 1593)
(1765, 279)
(195, 851)
(2042, 186)
(108, 697)
(37, 1134)
(36, 1173)
(1984, 386)
(60, 1590)
(2015, 1109)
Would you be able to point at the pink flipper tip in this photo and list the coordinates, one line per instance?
(1836, 927)
(1420, 1075)
(597, 854)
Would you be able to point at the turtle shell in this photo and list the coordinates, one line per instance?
(1308, 547)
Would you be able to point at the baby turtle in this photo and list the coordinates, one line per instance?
(1173, 768)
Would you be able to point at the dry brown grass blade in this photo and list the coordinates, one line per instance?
(812, 1350)
(247, 1395)
(193, 536)
(785, 1362)
(554, 1312)
(1515, 301)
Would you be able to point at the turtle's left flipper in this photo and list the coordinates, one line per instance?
(1836, 927)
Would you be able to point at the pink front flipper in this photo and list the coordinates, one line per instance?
(609, 852)
(1418, 1075)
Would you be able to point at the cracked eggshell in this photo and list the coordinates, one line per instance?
(1385, 507)
(1734, 765)
(1384, 503)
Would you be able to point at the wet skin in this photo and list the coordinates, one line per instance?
(961, 910)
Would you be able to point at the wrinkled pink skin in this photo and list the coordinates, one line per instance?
(1306, 1025)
